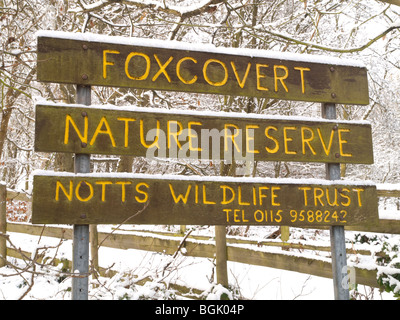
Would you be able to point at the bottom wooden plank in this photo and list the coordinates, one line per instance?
(188, 200)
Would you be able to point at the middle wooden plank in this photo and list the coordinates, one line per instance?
(151, 132)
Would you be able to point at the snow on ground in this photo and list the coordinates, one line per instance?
(247, 281)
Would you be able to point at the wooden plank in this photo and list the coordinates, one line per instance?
(134, 239)
(388, 193)
(40, 230)
(189, 134)
(17, 196)
(382, 226)
(164, 65)
(155, 199)
(206, 249)
(300, 264)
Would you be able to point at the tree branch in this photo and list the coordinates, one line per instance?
(153, 5)
(395, 2)
(321, 47)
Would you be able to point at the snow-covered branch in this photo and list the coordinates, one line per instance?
(314, 45)
(179, 11)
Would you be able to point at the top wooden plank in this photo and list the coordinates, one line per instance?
(163, 65)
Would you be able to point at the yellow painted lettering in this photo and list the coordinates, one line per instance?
(180, 197)
(342, 141)
(67, 194)
(250, 138)
(305, 189)
(209, 81)
(142, 137)
(107, 63)
(241, 82)
(243, 217)
(224, 195)
(99, 130)
(259, 215)
(359, 190)
(227, 213)
(326, 149)
(236, 215)
(276, 148)
(192, 135)
(178, 71)
(146, 72)
(205, 201)
(261, 195)
(303, 86)
(281, 78)
(228, 134)
(346, 204)
(196, 194)
(175, 133)
(286, 139)
(77, 194)
(126, 134)
(306, 141)
(123, 190)
(162, 68)
(334, 203)
(318, 194)
(142, 192)
(240, 198)
(103, 189)
(260, 76)
(83, 137)
(274, 196)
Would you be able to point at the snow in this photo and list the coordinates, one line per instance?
(156, 4)
(209, 48)
(251, 282)
(353, 24)
(205, 113)
(389, 215)
(388, 186)
(224, 179)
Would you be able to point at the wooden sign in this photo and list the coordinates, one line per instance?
(152, 132)
(88, 59)
(155, 199)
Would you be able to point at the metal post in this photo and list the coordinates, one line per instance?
(338, 241)
(80, 250)
(221, 256)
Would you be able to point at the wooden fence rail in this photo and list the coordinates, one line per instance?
(206, 249)
(254, 253)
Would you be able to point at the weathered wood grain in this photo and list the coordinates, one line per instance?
(161, 66)
(220, 135)
(144, 199)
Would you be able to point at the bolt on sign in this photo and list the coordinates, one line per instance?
(156, 199)
(88, 59)
(153, 132)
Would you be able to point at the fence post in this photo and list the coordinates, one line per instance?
(3, 224)
(80, 247)
(338, 245)
(221, 256)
